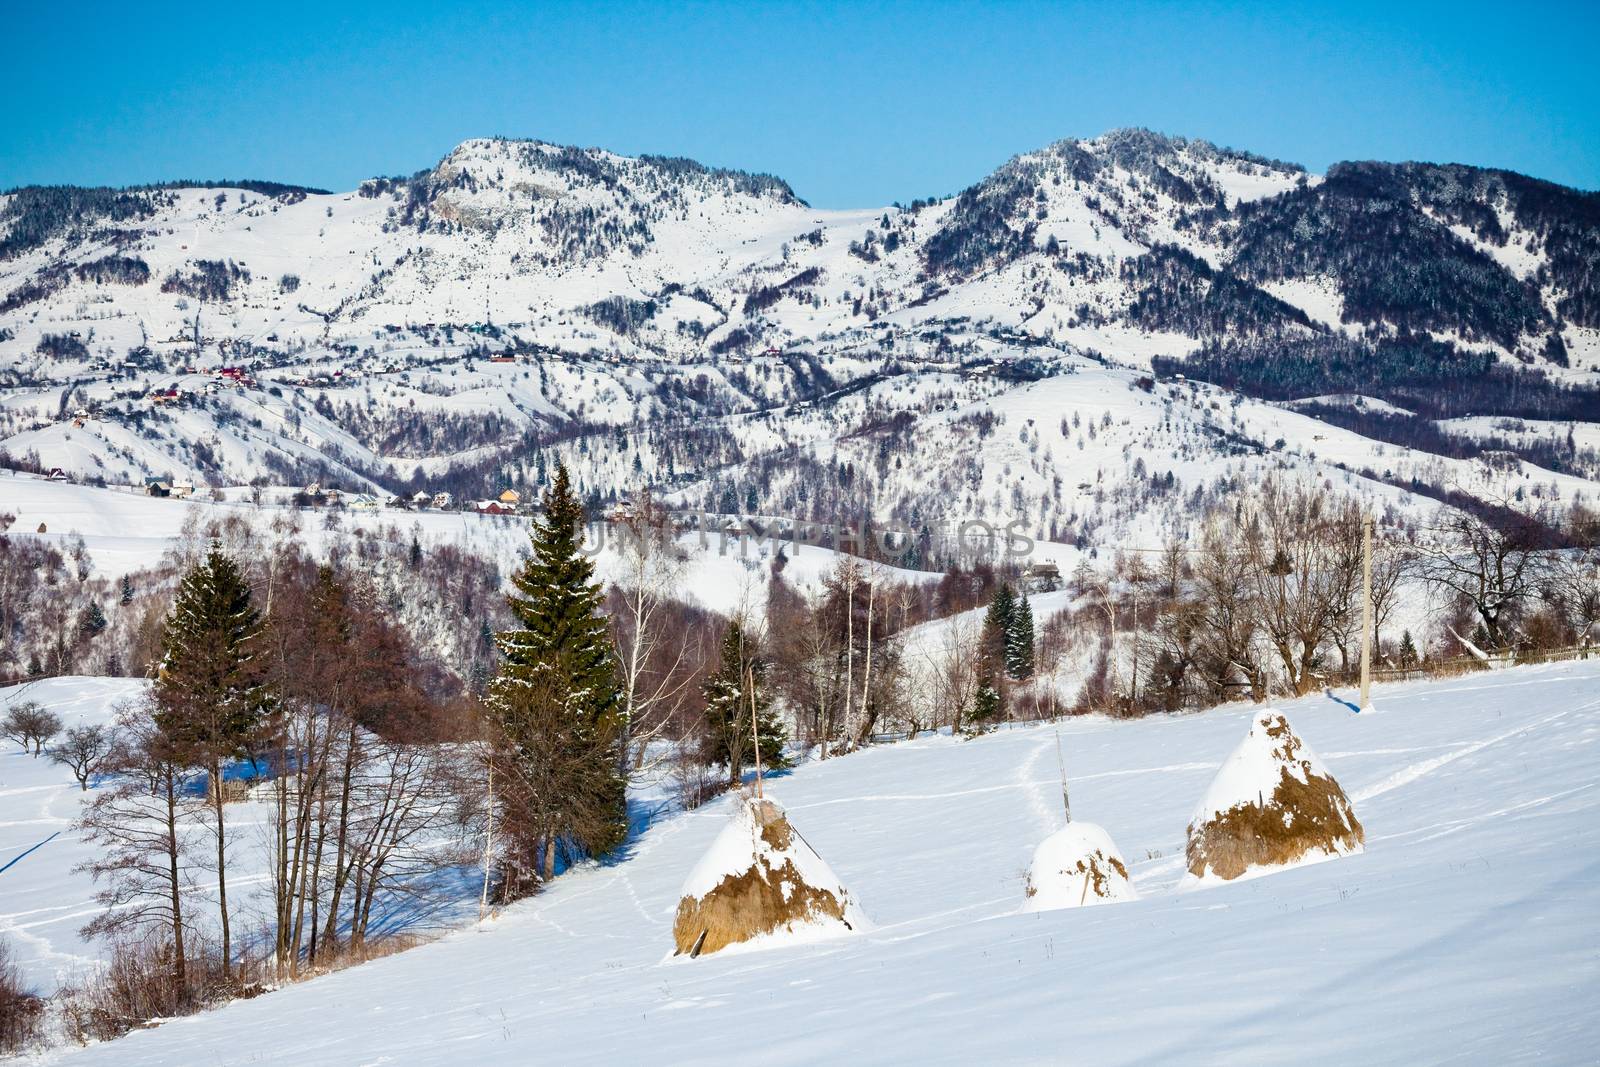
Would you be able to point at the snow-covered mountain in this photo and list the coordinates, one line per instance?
(655, 320)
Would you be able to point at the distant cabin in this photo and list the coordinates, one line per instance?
(155, 488)
(1042, 577)
(493, 507)
(182, 489)
(56, 475)
(511, 497)
(421, 499)
(443, 500)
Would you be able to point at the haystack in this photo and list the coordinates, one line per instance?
(1272, 804)
(1075, 867)
(761, 880)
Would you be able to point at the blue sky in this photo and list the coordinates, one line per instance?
(855, 105)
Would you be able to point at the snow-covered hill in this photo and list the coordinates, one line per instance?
(654, 320)
(1465, 931)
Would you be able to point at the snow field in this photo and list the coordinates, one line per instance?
(1465, 932)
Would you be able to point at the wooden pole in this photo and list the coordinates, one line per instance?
(1062, 764)
(755, 730)
(488, 844)
(1366, 613)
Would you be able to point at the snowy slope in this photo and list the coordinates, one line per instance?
(45, 901)
(125, 531)
(1465, 932)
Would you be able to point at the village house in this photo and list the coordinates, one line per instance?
(1041, 576)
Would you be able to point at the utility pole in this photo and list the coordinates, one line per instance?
(1366, 613)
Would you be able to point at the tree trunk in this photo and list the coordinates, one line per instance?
(179, 968)
(218, 792)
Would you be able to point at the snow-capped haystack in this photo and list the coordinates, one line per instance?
(760, 879)
(1271, 804)
(1075, 867)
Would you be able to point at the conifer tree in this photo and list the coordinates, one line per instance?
(1408, 650)
(127, 590)
(997, 622)
(210, 700)
(985, 707)
(93, 622)
(739, 685)
(989, 702)
(561, 652)
(1019, 640)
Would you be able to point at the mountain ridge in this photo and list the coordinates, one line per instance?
(654, 319)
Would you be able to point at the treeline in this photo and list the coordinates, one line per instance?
(1560, 454)
(118, 270)
(211, 279)
(34, 214)
(1266, 601)
(1433, 378)
(1394, 264)
(1173, 289)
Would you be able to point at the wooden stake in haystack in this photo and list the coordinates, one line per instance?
(1076, 866)
(760, 880)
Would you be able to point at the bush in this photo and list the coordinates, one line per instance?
(21, 1011)
(136, 986)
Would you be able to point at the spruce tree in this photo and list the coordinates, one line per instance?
(730, 693)
(127, 590)
(1019, 640)
(997, 622)
(1408, 650)
(210, 701)
(93, 622)
(985, 707)
(561, 649)
(989, 703)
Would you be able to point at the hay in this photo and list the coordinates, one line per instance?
(759, 879)
(1271, 804)
(1077, 866)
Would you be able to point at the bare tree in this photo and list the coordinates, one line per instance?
(650, 572)
(1226, 646)
(31, 726)
(144, 830)
(83, 749)
(1496, 564)
(1303, 562)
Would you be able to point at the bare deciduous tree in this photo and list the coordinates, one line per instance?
(31, 725)
(83, 749)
